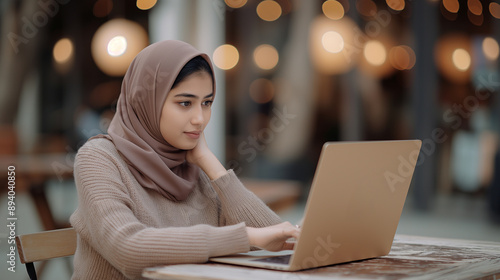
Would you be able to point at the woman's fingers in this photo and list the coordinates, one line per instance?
(288, 245)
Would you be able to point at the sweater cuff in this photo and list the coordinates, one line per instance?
(228, 240)
(229, 183)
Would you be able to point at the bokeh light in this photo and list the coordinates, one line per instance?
(323, 59)
(475, 19)
(63, 50)
(495, 10)
(116, 43)
(375, 52)
(102, 8)
(402, 57)
(146, 4)
(451, 6)
(235, 4)
(366, 8)
(333, 9)
(375, 59)
(262, 91)
(490, 48)
(475, 7)
(226, 57)
(266, 57)
(453, 59)
(332, 42)
(269, 10)
(397, 5)
(461, 59)
(117, 46)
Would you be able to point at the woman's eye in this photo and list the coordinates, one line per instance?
(208, 103)
(185, 103)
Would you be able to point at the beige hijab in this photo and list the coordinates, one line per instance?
(135, 128)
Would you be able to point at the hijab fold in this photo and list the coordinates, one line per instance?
(135, 128)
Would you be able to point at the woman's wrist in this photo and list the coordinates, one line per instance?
(211, 166)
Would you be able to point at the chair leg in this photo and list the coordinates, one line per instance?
(30, 267)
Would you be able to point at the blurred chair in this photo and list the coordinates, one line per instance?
(45, 245)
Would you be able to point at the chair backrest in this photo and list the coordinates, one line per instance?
(46, 245)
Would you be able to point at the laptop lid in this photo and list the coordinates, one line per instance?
(353, 208)
(355, 202)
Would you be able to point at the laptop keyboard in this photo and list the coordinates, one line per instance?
(284, 259)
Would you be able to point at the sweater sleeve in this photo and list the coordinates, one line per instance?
(105, 220)
(238, 204)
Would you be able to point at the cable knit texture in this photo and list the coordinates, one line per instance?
(123, 228)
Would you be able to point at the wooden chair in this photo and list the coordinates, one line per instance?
(45, 245)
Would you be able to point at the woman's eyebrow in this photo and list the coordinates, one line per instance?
(189, 95)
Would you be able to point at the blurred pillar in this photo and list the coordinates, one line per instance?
(201, 24)
(294, 96)
(424, 99)
(18, 49)
(351, 115)
(495, 83)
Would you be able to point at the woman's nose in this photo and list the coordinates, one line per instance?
(197, 117)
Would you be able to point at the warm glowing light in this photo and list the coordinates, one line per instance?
(266, 57)
(475, 19)
(452, 55)
(475, 7)
(269, 10)
(262, 91)
(226, 57)
(116, 43)
(397, 5)
(332, 42)
(117, 46)
(495, 9)
(366, 8)
(325, 61)
(333, 9)
(490, 48)
(461, 59)
(451, 5)
(146, 4)
(63, 50)
(102, 8)
(235, 4)
(375, 53)
(402, 57)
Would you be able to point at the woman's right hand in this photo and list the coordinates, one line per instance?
(273, 238)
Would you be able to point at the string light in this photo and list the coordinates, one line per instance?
(63, 50)
(451, 5)
(396, 5)
(266, 57)
(226, 57)
(269, 10)
(116, 43)
(235, 4)
(333, 9)
(490, 48)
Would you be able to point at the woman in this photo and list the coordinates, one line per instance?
(151, 192)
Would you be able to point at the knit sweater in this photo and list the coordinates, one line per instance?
(123, 228)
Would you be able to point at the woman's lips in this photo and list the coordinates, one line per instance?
(193, 134)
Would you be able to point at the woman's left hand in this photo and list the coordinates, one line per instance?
(200, 151)
(201, 156)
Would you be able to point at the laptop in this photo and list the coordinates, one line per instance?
(353, 208)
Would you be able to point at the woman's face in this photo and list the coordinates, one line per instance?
(187, 110)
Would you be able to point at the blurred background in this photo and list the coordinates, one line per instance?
(291, 75)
